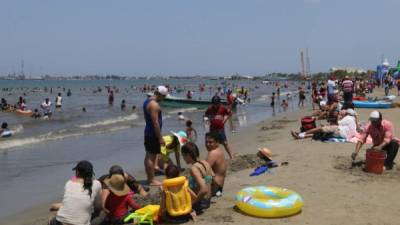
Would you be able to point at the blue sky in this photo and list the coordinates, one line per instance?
(186, 37)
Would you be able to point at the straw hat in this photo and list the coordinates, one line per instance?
(116, 184)
(265, 152)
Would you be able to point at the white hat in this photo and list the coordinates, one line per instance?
(322, 103)
(374, 115)
(162, 90)
(351, 112)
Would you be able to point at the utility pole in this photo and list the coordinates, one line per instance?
(303, 71)
(308, 70)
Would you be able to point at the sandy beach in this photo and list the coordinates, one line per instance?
(333, 192)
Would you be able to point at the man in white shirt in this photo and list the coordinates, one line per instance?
(58, 101)
(46, 106)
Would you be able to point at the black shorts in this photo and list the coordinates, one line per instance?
(152, 145)
(221, 136)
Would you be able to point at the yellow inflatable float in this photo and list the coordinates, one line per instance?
(269, 202)
(177, 196)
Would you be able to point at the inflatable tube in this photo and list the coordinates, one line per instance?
(268, 202)
(24, 112)
(177, 196)
(373, 104)
(6, 133)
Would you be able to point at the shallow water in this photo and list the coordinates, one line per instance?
(37, 160)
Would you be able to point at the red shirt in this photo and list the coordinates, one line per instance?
(217, 115)
(379, 135)
(118, 205)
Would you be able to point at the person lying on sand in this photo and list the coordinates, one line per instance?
(346, 128)
(216, 159)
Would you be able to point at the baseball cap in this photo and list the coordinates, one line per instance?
(374, 115)
(162, 90)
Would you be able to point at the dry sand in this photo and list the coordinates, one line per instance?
(333, 192)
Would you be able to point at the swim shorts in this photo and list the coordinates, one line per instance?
(152, 145)
(222, 136)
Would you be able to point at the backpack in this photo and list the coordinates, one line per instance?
(307, 123)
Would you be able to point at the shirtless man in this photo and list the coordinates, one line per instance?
(216, 159)
(152, 133)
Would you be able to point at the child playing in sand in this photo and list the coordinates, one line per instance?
(172, 172)
(117, 199)
(173, 143)
(216, 159)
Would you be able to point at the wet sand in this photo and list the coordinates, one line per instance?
(334, 193)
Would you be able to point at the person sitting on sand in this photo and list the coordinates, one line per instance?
(381, 132)
(173, 143)
(82, 195)
(172, 172)
(117, 199)
(132, 183)
(346, 128)
(323, 111)
(217, 161)
(200, 178)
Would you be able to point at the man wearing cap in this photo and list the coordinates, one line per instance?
(381, 132)
(218, 114)
(152, 132)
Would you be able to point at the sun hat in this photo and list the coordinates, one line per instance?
(374, 115)
(162, 90)
(117, 185)
(351, 112)
(181, 135)
(265, 152)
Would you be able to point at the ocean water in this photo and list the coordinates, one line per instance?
(37, 160)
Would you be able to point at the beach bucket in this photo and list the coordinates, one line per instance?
(374, 161)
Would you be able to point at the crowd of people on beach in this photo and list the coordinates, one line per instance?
(342, 119)
(112, 193)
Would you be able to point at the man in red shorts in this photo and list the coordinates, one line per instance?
(218, 114)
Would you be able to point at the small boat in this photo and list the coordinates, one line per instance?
(24, 112)
(176, 102)
(373, 104)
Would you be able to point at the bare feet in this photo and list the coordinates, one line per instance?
(154, 183)
(294, 135)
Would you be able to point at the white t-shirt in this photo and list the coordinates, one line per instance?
(77, 206)
(46, 107)
(331, 87)
(347, 127)
(58, 100)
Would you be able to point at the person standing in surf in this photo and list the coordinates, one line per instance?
(152, 133)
